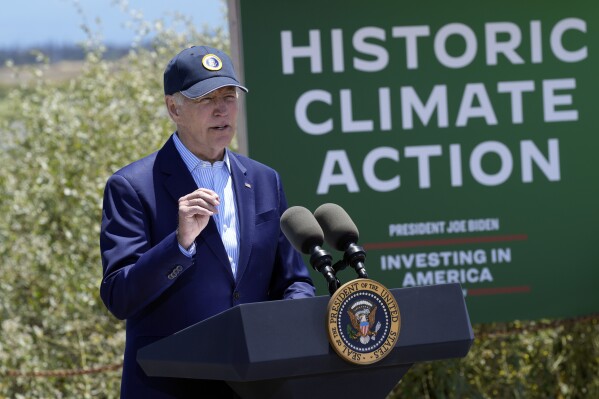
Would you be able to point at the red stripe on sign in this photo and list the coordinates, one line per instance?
(444, 241)
(499, 290)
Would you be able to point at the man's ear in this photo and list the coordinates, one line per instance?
(171, 106)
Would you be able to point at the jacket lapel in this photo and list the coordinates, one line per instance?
(244, 193)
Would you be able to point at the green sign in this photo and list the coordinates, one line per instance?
(461, 138)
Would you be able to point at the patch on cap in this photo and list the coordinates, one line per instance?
(212, 63)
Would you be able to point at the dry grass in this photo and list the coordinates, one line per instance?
(58, 72)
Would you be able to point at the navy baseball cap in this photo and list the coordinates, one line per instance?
(198, 70)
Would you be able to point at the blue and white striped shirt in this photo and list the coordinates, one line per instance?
(217, 177)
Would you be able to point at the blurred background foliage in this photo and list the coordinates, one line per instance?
(60, 143)
(62, 139)
(534, 359)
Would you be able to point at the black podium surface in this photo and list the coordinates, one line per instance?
(280, 349)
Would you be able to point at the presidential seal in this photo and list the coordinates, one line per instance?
(212, 63)
(363, 321)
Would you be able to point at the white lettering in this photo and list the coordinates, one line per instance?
(508, 48)
(381, 57)
(440, 45)
(556, 40)
(328, 177)
(311, 51)
(370, 163)
(551, 100)
(506, 162)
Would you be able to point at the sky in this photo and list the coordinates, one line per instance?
(26, 23)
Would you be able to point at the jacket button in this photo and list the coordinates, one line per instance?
(236, 295)
(175, 272)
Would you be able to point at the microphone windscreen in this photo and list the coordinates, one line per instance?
(301, 229)
(338, 228)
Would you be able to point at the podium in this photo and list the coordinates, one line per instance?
(280, 349)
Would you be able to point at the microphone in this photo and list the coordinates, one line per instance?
(341, 233)
(305, 234)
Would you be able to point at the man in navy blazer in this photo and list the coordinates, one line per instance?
(193, 229)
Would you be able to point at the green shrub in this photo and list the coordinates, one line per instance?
(544, 359)
(60, 143)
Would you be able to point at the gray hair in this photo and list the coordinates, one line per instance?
(179, 98)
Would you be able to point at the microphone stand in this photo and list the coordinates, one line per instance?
(353, 256)
(321, 262)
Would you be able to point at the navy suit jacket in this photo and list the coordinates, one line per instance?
(157, 289)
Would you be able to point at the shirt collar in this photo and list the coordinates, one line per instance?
(192, 161)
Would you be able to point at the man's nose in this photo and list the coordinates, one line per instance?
(220, 105)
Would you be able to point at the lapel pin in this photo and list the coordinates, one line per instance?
(248, 185)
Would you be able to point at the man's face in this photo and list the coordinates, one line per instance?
(207, 124)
